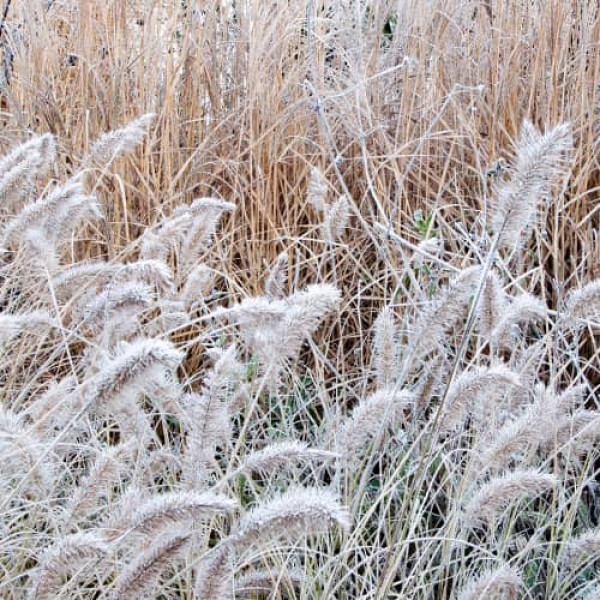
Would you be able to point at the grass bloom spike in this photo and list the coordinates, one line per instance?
(138, 580)
(384, 409)
(318, 190)
(583, 305)
(540, 159)
(276, 284)
(299, 511)
(282, 455)
(171, 508)
(495, 496)
(503, 583)
(137, 364)
(120, 141)
(384, 347)
(468, 388)
(67, 555)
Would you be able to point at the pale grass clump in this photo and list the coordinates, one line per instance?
(113, 450)
(139, 399)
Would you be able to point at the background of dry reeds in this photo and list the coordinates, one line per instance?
(419, 98)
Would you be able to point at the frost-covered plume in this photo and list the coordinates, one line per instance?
(336, 219)
(469, 389)
(175, 508)
(108, 468)
(386, 408)
(502, 583)
(204, 216)
(582, 305)
(298, 511)
(283, 455)
(491, 305)
(23, 455)
(443, 314)
(208, 415)
(21, 166)
(494, 497)
(318, 190)
(68, 555)
(197, 287)
(276, 284)
(516, 315)
(132, 369)
(276, 329)
(120, 141)
(35, 323)
(139, 579)
(540, 159)
(384, 347)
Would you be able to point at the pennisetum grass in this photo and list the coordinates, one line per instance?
(404, 404)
